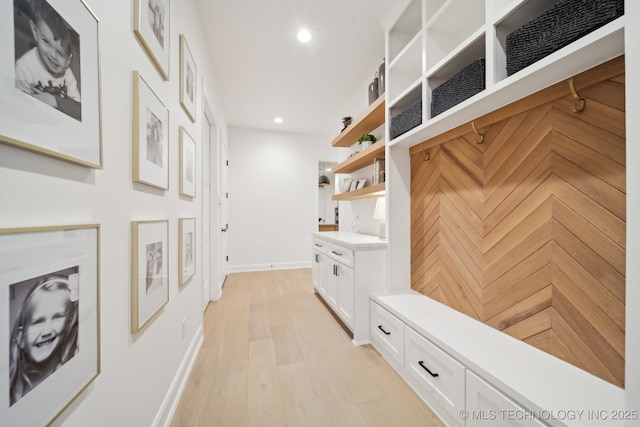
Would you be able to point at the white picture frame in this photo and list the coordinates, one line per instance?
(149, 271)
(38, 115)
(48, 272)
(360, 183)
(150, 136)
(187, 164)
(151, 26)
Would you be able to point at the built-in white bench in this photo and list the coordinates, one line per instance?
(472, 374)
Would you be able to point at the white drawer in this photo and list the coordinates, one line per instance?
(320, 245)
(437, 373)
(487, 406)
(340, 254)
(387, 331)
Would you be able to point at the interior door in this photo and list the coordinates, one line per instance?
(223, 207)
(208, 129)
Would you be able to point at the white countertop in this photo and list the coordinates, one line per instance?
(351, 239)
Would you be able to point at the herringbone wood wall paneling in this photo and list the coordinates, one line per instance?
(526, 231)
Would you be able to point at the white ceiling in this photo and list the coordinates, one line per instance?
(263, 71)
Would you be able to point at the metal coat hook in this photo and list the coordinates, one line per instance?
(576, 108)
(426, 155)
(480, 140)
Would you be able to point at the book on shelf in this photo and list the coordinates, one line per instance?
(378, 171)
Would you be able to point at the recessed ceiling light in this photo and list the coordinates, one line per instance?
(304, 35)
(278, 120)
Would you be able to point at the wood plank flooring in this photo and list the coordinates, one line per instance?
(273, 355)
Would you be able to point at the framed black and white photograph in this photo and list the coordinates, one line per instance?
(187, 164)
(188, 75)
(49, 66)
(354, 185)
(151, 26)
(186, 249)
(360, 183)
(49, 331)
(150, 136)
(149, 270)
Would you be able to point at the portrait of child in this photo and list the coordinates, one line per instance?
(154, 266)
(47, 56)
(44, 329)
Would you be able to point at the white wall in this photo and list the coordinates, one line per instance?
(137, 370)
(273, 199)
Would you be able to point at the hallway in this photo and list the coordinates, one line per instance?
(273, 355)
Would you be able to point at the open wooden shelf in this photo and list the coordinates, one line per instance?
(372, 118)
(372, 191)
(362, 159)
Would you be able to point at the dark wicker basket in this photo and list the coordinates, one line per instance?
(466, 83)
(407, 120)
(561, 25)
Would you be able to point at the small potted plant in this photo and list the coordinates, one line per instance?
(366, 140)
(346, 121)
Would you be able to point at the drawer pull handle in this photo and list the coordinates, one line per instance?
(421, 363)
(336, 253)
(385, 332)
(316, 244)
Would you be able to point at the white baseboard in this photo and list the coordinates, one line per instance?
(266, 267)
(172, 398)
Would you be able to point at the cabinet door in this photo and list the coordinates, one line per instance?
(486, 406)
(332, 285)
(346, 285)
(320, 272)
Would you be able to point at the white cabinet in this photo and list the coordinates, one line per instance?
(486, 406)
(435, 372)
(387, 335)
(346, 268)
(471, 374)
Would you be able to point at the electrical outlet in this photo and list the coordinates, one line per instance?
(184, 327)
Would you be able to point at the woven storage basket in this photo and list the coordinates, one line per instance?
(466, 83)
(564, 23)
(407, 120)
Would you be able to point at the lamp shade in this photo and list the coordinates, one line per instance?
(380, 211)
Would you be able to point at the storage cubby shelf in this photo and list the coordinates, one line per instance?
(363, 159)
(372, 118)
(601, 45)
(372, 191)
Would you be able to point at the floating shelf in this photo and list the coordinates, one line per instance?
(362, 159)
(372, 191)
(372, 118)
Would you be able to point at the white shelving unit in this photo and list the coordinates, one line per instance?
(454, 33)
(412, 75)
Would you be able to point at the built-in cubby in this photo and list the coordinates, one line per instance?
(432, 40)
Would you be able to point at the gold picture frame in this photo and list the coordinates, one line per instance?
(38, 115)
(187, 164)
(150, 136)
(151, 27)
(48, 273)
(149, 271)
(188, 79)
(186, 250)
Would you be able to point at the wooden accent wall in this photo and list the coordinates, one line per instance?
(526, 231)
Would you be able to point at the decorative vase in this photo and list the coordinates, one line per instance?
(373, 90)
(381, 78)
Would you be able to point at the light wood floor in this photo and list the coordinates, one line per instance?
(273, 355)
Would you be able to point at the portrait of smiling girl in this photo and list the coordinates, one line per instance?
(45, 330)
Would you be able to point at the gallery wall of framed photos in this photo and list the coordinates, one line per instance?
(100, 185)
